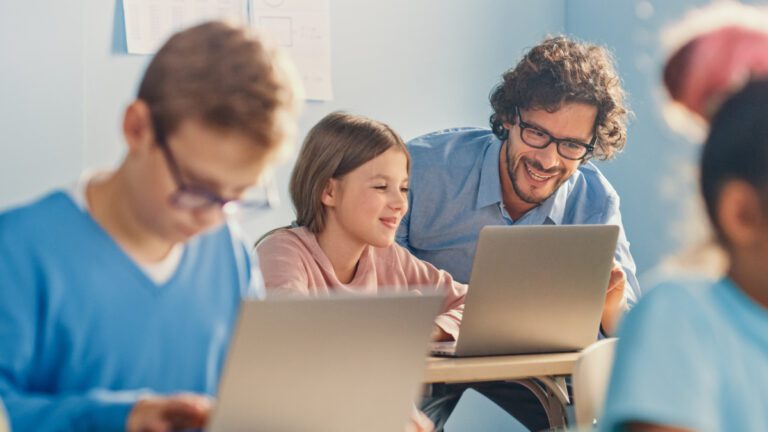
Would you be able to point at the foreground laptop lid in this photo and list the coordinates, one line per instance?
(536, 289)
(326, 364)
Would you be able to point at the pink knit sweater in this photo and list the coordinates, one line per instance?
(292, 261)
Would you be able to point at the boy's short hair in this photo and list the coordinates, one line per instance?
(228, 78)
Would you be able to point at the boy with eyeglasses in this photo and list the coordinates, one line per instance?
(118, 297)
(560, 107)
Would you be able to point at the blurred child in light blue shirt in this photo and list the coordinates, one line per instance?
(693, 354)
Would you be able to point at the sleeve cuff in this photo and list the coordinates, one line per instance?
(111, 409)
(111, 416)
(448, 325)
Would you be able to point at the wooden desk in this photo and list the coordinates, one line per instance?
(498, 368)
(543, 374)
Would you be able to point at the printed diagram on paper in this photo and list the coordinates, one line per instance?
(148, 23)
(302, 28)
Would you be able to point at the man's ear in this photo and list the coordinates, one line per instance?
(138, 130)
(739, 212)
(330, 192)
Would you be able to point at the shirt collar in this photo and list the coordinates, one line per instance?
(489, 188)
(551, 210)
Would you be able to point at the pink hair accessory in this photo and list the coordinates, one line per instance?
(720, 63)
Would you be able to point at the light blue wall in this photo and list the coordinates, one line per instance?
(653, 152)
(419, 65)
(656, 175)
(41, 96)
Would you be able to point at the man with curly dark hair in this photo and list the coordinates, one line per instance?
(560, 107)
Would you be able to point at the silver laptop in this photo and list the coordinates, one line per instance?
(535, 289)
(337, 363)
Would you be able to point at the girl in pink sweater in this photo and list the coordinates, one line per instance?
(350, 190)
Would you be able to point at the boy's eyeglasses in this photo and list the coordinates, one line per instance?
(195, 197)
(538, 138)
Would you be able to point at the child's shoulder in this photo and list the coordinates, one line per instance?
(400, 256)
(687, 304)
(690, 289)
(52, 212)
(286, 240)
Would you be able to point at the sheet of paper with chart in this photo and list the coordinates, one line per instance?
(148, 23)
(302, 28)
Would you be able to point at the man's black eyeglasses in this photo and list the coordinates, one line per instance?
(538, 138)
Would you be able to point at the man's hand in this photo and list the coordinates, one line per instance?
(615, 302)
(419, 423)
(163, 414)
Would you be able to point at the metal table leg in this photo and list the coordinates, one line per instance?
(552, 392)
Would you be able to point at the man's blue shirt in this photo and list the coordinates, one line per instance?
(455, 190)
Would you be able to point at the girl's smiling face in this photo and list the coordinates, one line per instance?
(368, 203)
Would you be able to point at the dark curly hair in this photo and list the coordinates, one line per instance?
(561, 70)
